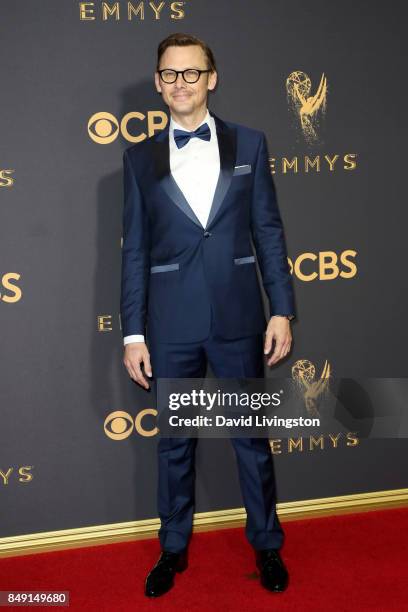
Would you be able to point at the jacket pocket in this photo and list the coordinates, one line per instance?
(165, 268)
(244, 260)
(244, 169)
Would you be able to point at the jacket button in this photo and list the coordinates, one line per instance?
(207, 234)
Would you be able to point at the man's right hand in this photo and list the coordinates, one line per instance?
(135, 354)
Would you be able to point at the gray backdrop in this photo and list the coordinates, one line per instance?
(61, 208)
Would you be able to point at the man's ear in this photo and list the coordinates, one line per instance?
(212, 81)
(157, 82)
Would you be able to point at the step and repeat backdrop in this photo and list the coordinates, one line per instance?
(326, 83)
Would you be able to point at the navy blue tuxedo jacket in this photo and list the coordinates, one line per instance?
(176, 274)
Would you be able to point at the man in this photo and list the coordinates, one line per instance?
(194, 195)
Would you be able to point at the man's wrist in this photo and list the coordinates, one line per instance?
(289, 317)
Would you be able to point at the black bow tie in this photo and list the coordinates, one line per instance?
(182, 137)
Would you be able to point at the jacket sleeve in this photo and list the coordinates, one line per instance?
(269, 239)
(135, 255)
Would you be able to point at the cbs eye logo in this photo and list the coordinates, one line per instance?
(104, 128)
(119, 425)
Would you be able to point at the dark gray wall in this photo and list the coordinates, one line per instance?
(61, 232)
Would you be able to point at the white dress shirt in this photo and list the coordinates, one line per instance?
(195, 168)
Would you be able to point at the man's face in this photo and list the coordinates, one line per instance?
(185, 98)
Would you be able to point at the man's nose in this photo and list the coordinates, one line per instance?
(179, 80)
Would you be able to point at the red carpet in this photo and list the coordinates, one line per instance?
(350, 562)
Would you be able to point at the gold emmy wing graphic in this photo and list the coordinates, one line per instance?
(306, 107)
(303, 374)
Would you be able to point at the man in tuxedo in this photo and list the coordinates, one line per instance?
(195, 194)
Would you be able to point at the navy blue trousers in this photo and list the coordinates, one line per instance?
(176, 456)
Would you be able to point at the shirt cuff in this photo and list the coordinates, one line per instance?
(134, 338)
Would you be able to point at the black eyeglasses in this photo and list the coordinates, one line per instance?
(190, 75)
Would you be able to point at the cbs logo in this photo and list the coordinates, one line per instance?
(16, 292)
(325, 265)
(104, 128)
(119, 425)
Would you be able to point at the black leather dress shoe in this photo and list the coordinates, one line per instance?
(274, 575)
(161, 578)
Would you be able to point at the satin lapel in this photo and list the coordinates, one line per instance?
(227, 149)
(165, 178)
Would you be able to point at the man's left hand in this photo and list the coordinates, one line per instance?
(279, 330)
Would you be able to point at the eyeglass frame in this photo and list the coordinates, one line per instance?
(182, 73)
